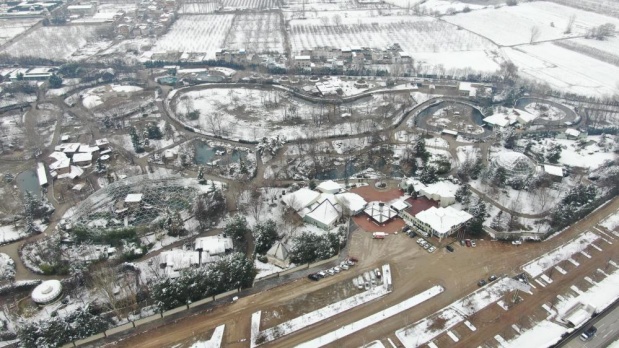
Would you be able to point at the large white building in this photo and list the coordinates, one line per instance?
(441, 222)
(443, 192)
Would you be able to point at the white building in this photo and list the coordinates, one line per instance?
(278, 255)
(82, 158)
(329, 186)
(380, 212)
(325, 213)
(301, 198)
(443, 192)
(441, 222)
(213, 245)
(352, 202)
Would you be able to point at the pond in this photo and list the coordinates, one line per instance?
(206, 154)
(28, 181)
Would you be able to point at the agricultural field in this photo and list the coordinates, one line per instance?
(433, 38)
(9, 28)
(604, 50)
(512, 25)
(565, 69)
(296, 6)
(256, 32)
(196, 33)
(249, 4)
(198, 7)
(55, 42)
(607, 7)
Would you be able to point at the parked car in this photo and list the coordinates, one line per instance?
(588, 334)
(467, 242)
(406, 228)
(350, 263)
(420, 240)
(473, 243)
(378, 274)
(344, 266)
(353, 259)
(492, 278)
(330, 271)
(450, 248)
(373, 277)
(367, 286)
(361, 282)
(462, 242)
(336, 269)
(366, 276)
(481, 283)
(431, 249)
(321, 274)
(313, 277)
(412, 234)
(517, 242)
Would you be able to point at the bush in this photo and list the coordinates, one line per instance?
(193, 115)
(511, 2)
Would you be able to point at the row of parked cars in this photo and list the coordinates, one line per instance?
(424, 244)
(368, 279)
(345, 265)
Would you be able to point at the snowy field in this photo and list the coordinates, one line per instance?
(54, 42)
(433, 39)
(196, 33)
(198, 7)
(256, 32)
(251, 114)
(604, 50)
(611, 222)
(541, 264)
(9, 28)
(563, 69)
(591, 156)
(607, 7)
(511, 25)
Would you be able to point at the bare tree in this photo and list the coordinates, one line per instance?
(535, 33)
(570, 24)
(337, 20)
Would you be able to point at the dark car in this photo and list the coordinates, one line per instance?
(450, 248)
(412, 234)
(313, 277)
(405, 229)
(492, 278)
(467, 242)
(588, 334)
(353, 259)
(481, 283)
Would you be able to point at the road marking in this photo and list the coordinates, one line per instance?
(452, 336)
(573, 262)
(596, 247)
(533, 286)
(470, 326)
(604, 273)
(561, 270)
(607, 241)
(613, 263)
(576, 289)
(585, 254)
(392, 344)
(604, 233)
(501, 341)
(590, 280)
(516, 328)
(547, 308)
(432, 345)
(540, 283)
(546, 279)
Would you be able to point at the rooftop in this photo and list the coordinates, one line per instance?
(442, 220)
(380, 211)
(213, 245)
(133, 198)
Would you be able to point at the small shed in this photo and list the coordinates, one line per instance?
(133, 200)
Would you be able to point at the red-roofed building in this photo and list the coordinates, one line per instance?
(416, 206)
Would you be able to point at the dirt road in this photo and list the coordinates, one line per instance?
(413, 269)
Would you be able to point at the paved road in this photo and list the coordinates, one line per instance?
(608, 332)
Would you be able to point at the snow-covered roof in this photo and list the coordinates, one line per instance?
(525, 117)
(47, 291)
(177, 259)
(442, 189)
(329, 186)
(465, 86)
(82, 157)
(514, 162)
(399, 205)
(501, 120)
(553, 170)
(352, 201)
(68, 147)
(302, 58)
(102, 142)
(380, 211)
(301, 198)
(41, 174)
(326, 212)
(572, 132)
(75, 172)
(88, 148)
(62, 161)
(133, 198)
(213, 245)
(278, 251)
(442, 220)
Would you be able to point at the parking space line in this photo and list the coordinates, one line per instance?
(604, 273)
(607, 241)
(501, 341)
(533, 286)
(585, 254)
(452, 336)
(432, 345)
(613, 263)
(590, 280)
(547, 309)
(573, 262)
(540, 283)
(392, 344)
(602, 232)
(516, 328)
(470, 326)
(561, 270)
(576, 289)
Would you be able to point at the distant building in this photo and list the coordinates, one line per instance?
(303, 62)
(133, 200)
(83, 10)
(380, 212)
(329, 186)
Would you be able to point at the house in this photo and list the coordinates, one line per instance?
(443, 192)
(380, 212)
(415, 206)
(41, 174)
(499, 121)
(83, 10)
(554, 172)
(102, 143)
(441, 222)
(329, 186)
(278, 255)
(175, 260)
(61, 163)
(324, 214)
(133, 200)
(68, 148)
(351, 202)
(572, 133)
(213, 245)
(302, 62)
(301, 198)
(82, 158)
(524, 117)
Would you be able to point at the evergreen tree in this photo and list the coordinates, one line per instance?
(200, 178)
(462, 193)
(420, 150)
(100, 167)
(237, 229)
(428, 175)
(55, 81)
(135, 140)
(265, 235)
(153, 131)
(554, 154)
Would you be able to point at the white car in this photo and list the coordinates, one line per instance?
(517, 242)
(330, 271)
(337, 269)
(344, 266)
(431, 249)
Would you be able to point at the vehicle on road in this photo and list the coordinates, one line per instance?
(431, 249)
(373, 277)
(330, 271)
(367, 286)
(492, 278)
(412, 234)
(481, 283)
(462, 242)
(379, 235)
(406, 228)
(313, 277)
(588, 334)
(473, 243)
(467, 242)
(450, 248)
(360, 282)
(517, 242)
(344, 266)
(321, 274)
(336, 269)
(366, 276)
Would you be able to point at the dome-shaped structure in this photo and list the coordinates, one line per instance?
(47, 292)
(514, 163)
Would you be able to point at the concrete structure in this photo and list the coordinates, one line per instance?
(302, 62)
(554, 172)
(514, 163)
(133, 200)
(83, 10)
(213, 245)
(82, 159)
(441, 222)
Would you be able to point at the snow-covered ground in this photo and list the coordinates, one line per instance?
(373, 319)
(588, 155)
(467, 153)
(7, 267)
(611, 222)
(214, 341)
(430, 327)
(539, 265)
(9, 233)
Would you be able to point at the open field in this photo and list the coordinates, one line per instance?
(54, 42)
(248, 4)
(256, 32)
(565, 69)
(607, 7)
(198, 7)
(511, 25)
(9, 28)
(196, 33)
(606, 51)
